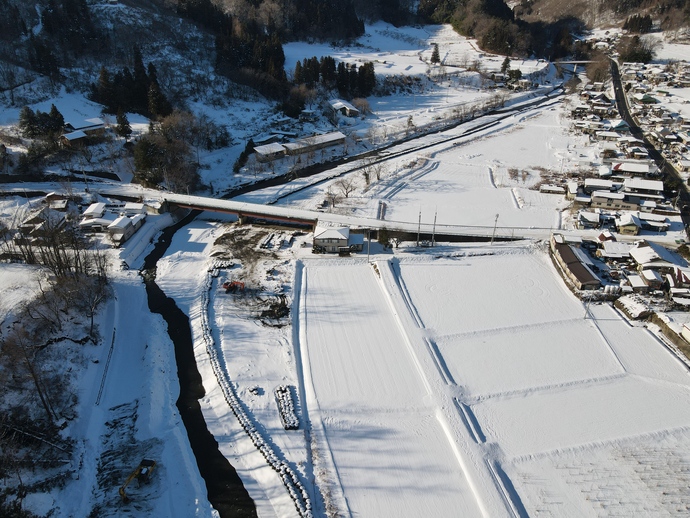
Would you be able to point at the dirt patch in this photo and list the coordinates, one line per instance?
(243, 244)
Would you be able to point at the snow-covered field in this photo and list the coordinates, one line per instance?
(464, 382)
(471, 383)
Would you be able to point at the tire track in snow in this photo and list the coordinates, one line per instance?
(507, 329)
(510, 496)
(492, 180)
(470, 421)
(544, 388)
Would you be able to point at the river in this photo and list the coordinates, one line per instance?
(226, 493)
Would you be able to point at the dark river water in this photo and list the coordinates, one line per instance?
(226, 492)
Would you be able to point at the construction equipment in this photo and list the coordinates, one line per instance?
(233, 286)
(143, 475)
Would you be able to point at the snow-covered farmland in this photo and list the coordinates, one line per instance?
(536, 383)
(472, 383)
(368, 401)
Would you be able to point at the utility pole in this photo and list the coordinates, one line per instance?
(589, 299)
(433, 230)
(419, 226)
(494, 233)
(368, 243)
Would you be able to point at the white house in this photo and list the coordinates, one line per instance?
(337, 239)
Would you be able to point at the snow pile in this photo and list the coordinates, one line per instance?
(289, 477)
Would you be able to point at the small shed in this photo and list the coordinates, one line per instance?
(95, 210)
(73, 139)
(338, 106)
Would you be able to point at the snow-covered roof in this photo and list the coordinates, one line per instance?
(647, 253)
(628, 218)
(332, 233)
(339, 104)
(607, 194)
(95, 210)
(315, 140)
(131, 206)
(651, 275)
(86, 124)
(100, 221)
(137, 218)
(590, 217)
(636, 281)
(74, 135)
(598, 183)
(120, 223)
(641, 183)
(616, 249)
(631, 167)
(269, 149)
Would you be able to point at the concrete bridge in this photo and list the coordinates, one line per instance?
(248, 212)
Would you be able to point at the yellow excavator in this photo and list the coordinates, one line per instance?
(143, 475)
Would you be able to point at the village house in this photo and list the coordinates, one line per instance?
(628, 224)
(648, 255)
(337, 240)
(269, 152)
(73, 139)
(274, 151)
(122, 228)
(639, 189)
(572, 262)
(316, 142)
(611, 201)
(587, 220)
(614, 251)
(339, 107)
(95, 210)
(40, 223)
(631, 168)
(93, 126)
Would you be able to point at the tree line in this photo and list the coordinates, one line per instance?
(134, 91)
(169, 153)
(350, 80)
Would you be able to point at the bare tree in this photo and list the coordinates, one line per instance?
(379, 169)
(332, 197)
(10, 77)
(20, 346)
(95, 291)
(346, 186)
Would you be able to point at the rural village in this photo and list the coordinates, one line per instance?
(470, 296)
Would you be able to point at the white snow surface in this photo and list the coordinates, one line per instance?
(462, 382)
(444, 386)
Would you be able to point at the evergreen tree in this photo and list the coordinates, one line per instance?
(104, 92)
(140, 91)
(328, 70)
(123, 127)
(299, 76)
(42, 59)
(56, 120)
(506, 65)
(342, 79)
(28, 123)
(366, 79)
(435, 56)
(158, 104)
